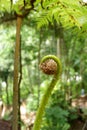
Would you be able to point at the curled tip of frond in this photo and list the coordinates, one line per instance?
(49, 67)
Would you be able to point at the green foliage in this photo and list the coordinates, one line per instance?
(73, 114)
(56, 118)
(76, 59)
(57, 114)
(5, 5)
(69, 13)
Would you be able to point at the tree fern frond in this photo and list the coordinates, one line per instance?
(68, 12)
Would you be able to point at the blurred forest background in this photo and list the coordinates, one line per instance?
(48, 28)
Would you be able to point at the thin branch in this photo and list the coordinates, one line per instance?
(7, 17)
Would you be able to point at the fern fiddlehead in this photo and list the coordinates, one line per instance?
(50, 65)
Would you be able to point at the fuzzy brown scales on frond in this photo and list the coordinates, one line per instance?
(49, 67)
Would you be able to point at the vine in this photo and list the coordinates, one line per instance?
(50, 65)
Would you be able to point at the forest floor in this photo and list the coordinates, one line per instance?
(81, 104)
(78, 125)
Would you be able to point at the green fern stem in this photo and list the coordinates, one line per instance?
(48, 91)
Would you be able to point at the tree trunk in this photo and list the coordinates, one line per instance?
(16, 75)
(7, 92)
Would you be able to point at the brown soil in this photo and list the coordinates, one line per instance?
(77, 125)
(5, 125)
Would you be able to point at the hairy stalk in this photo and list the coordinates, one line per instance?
(48, 91)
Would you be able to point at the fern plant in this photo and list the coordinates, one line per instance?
(67, 12)
(50, 65)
